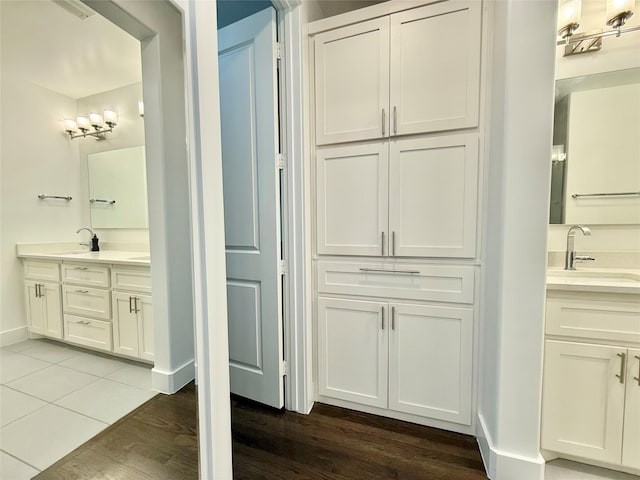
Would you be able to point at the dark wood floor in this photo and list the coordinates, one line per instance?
(159, 441)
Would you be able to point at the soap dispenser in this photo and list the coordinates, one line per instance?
(94, 243)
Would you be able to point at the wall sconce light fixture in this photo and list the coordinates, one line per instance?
(569, 11)
(101, 124)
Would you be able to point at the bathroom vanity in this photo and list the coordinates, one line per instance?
(591, 385)
(101, 300)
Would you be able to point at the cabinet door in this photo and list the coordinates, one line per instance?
(146, 342)
(52, 307)
(125, 324)
(433, 185)
(352, 82)
(352, 200)
(435, 67)
(352, 351)
(36, 318)
(631, 439)
(430, 361)
(583, 400)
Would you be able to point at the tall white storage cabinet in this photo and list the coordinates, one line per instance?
(396, 179)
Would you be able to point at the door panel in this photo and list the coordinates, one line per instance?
(353, 351)
(53, 309)
(146, 341)
(435, 67)
(352, 82)
(249, 114)
(352, 193)
(631, 439)
(35, 308)
(430, 364)
(433, 196)
(583, 400)
(125, 325)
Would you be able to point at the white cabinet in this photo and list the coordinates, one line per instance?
(420, 201)
(88, 332)
(591, 384)
(418, 355)
(352, 351)
(44, 310)
(133, 314)
(411, 72)
(352, 82)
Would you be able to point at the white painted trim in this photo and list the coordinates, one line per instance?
(15, 335)
(171, 382)
(501, 465)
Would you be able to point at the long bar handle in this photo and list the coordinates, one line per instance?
(623, 366)
(384, 121)
(130, 304)
(37, 286)
(395, 120)
(382, 242)
(393, 244)
(42, 196)
(382, 322)
(393, 318)
(637, 379)
(100, 200)
(135, 305)
(380, 270)
(40, 290)
(612, 194)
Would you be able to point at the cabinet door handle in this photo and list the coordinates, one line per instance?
(383, 309)
(393, 244)
(637, 379)
(384, 120)
(37, 288)
(382, 242)
(395, 120)
(135, 305)
(82, 291)
(393, 318)
(130, 304)
(41, 290)
(623, 366)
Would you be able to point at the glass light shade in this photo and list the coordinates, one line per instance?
(70, 125)
(110, 117)
(96, 120)
(83, 123)
(569, 12)
(618, 11)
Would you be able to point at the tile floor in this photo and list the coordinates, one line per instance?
(54, 397)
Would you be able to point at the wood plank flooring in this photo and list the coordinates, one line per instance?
(159, 441)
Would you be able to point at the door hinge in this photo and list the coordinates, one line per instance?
(281, 162)
(278, 50)
(284, 368)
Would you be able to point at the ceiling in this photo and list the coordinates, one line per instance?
(44, 44)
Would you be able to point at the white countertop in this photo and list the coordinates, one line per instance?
(66, 254)
(603, 280)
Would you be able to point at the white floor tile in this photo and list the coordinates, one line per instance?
(52, 383)
(46, 350)
(14, 405)
(15, 365)
(105, 400)
(565, 470)
(18, 347)
(12, 469)
(48, 434)
(134, 375)
(93, 364)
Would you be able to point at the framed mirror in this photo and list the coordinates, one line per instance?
(118, 188)
(596, 149)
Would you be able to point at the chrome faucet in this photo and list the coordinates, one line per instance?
(570, 257)
(87, 244)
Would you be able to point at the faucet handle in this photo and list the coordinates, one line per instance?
(584, 258)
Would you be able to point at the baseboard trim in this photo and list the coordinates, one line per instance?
(501, 465)
(15, 335)
(171, 382)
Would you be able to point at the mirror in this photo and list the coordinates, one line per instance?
(596, 149)
(118, 188)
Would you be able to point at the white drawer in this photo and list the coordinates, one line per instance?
(48, 271)
(92, 302)
(412, 282)
(589, 315)
(131, 279)
(85, 275)
(89, 332)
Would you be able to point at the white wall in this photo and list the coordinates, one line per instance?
(128, 133)
(616, 54)
(36, 157)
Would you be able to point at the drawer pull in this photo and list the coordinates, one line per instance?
(380, 270)
(623, 366)
(82, 291)
(80, 268)
(637, 379)
(82, 322)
